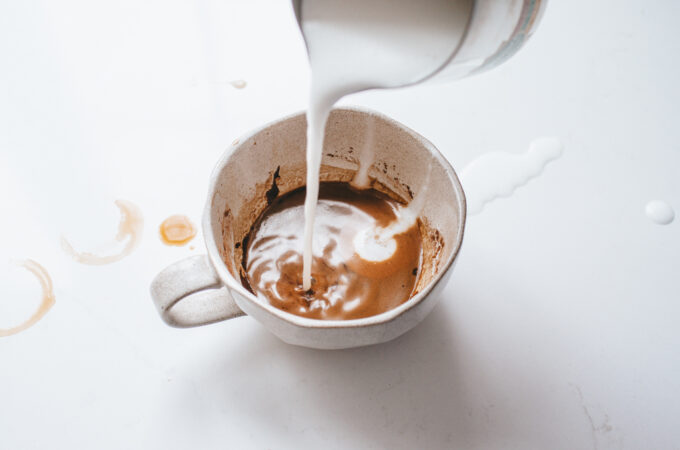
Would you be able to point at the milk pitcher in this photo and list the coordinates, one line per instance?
(479, 34)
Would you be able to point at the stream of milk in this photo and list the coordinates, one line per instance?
(379, 244)
(361, 179)
(355, 45)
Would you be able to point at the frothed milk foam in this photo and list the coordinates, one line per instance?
(356, 45)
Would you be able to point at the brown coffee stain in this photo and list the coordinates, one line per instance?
(130, 230)
(47, 297)
(344, 286)
(273, 191)
(177, 230)
(238, 84)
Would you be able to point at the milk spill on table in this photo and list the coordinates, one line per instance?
(356, 45)
(498, 174)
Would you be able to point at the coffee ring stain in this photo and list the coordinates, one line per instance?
(48, 299)
(130, 228)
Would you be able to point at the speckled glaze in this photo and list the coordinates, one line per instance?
(205, 289)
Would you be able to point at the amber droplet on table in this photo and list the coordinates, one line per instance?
(177, 230)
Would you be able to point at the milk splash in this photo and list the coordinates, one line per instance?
(378, 244)
(498, 174)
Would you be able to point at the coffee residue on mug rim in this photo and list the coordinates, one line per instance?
(273, 191)
(47, 302)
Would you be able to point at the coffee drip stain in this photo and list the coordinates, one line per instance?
(130, 230)
(273, 191)
(271, 194)
(344, 285)
(238, 84)
(243, 273)
(47, 302)
(177, 230)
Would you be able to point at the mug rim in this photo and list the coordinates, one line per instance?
(232, 283)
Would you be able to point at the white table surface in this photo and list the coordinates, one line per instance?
(559, 329)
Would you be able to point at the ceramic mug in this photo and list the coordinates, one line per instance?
(270, 162)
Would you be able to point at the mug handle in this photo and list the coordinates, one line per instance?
(189, 293)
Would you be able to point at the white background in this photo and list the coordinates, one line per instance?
(559, 328)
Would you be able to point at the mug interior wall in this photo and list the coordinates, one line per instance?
(272, 162)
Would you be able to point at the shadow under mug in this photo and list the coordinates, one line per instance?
(269, 162)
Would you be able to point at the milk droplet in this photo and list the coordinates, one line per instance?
(498, 174)
(371, 246)
(659, 212)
